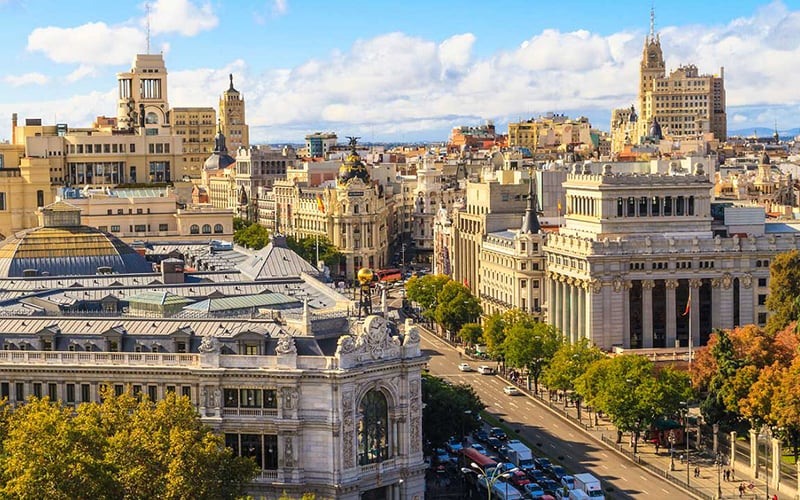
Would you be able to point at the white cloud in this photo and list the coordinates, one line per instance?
(181, 16)
(279, 7)
(82, 71)
(91, 43)
(455, 53)
(26, 79)
(738, 118)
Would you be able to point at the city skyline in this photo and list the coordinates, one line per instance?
(392, 72)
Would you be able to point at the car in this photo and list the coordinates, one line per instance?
(518, 478)
(568, 482)
(511, 390)
(558, 472)
(480, 435)
(493, 443)
(465, 367)
(453, 445)
(550, 487)
(497, 432)
(542, 463)
(485, 370)
(480, 449)
(537, 475)
(532, 491)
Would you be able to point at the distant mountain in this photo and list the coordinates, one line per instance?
(765, 132)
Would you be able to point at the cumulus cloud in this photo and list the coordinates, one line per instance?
(90, 43)
(26, 79)
(81, 72)
(397, 84)
(181, 16)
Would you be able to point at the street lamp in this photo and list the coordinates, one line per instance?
(488, 479)
(467, 414)
(671, 440)
(719, 473)
(685, 414)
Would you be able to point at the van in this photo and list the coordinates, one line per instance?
(485, 370)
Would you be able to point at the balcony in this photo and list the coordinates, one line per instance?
(99, 358)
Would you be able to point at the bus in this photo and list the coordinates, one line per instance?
(389, 275)
(470, 458)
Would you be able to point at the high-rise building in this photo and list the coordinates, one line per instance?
(232, 118)
(196, 127)
(142, 101)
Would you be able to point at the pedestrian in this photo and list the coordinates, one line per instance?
(727, 474)
(697, 472)
(741, 490)
(656, 447)
(733, 471)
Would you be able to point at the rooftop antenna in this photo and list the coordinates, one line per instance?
(147, 10)
(652, 22)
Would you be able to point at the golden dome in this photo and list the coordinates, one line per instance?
(364, 275)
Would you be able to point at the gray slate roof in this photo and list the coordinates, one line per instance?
(276, 260)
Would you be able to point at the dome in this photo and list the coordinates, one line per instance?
(353, 167)
(220, 158)
(655, 130)
(68, 250)
(364, 275)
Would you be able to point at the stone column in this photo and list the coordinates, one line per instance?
(671, 285)
(564, 307)
(573, 311)
(754, 453)
(694, 312)
(647, 313)
(775, 462)
(746, 314)
(725, 304)
(732, 451)
(581, 311)
(549, 298)
(716, 312)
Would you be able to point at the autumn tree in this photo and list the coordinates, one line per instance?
(455, 307)
(784, 290)
(786, 406)
(531, 345)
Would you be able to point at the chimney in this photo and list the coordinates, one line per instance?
(13, 123)
(172, 271)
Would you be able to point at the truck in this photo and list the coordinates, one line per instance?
(578, 495)
(590, 485)
(519, 454)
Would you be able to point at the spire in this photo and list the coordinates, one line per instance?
(530, 221)
(231, 87)
(147, 31)
(652, 22)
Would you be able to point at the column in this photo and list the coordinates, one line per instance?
(550, 299)
(581, 311)
(746, 314)
(732, 457)
(775, 462)
(626, 314)
(671, 285)
(716, 312)
(647, 313)
(694, 312)
(753, 452)
(573, 312)
(725, 303)
(564, 307)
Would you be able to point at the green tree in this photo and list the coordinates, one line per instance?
(496, 328)
(448, 409)
(425, 290)
(786, 406)
(531, 345)
(455, 307)
(239, 223)
(569, 362)
(784, 290)
(254, 236)
(471, 333)
(307, 249)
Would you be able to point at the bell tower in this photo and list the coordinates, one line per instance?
(651, 68)
(231, 113)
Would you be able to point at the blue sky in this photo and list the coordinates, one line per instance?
(402, 70)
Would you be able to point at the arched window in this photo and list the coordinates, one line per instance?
(206, 228)
(218, 228)
(195, 229)
(373, 439)
(151, 118)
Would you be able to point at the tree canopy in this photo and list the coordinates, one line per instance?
(471, 333)
(254, 236)
(531, 345)
(307, 249)
(784, 291)
(424, 290)
(448, 409)
(121, 448)
(456, 306)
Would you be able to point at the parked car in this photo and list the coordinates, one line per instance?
(558, 472)
(543, 463)
(511, 390)
(537, 475)
(464, 367)
(453, 445)
(480, 435)
(568, 482)
(497, 432)
(532, 491)
(550, 487)
(518, 478)
(485, 370)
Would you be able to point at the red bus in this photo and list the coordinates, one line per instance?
(469, 456)
(389, 275)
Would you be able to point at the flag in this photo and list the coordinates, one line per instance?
(688, 306)
(320, 203)
(559, 206)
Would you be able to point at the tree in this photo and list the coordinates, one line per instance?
(784, 290)
(531, 345)
(786, 406)
(120, 448)
(424, 291)
(470, 333)
(307, 249)
(569, 362)
(756, 407)
(448, 409)
(496, 328)
(253, 236)
(455, 307)
(239, 223)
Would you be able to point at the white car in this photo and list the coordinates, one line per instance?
(485, 370)
(464, 367)
(511, 390)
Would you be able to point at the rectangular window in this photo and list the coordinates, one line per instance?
(137, 392)
(270, 398)
(171, 388)
(163, 227)
(139, 211)
(119, 389)
(762, 318)
(106, 148)
(152, 392)
(47, 345)
(251, 350)
(5, 389)
(70, 393)
(535, 283)
(19, 392)
(114, 229)
(762, 299)
(762, 282)
(52, 392)
(2, 201)
(86, 393)
(231, 397)
(133, 148)
(37, 389)
(250, 398)
(140, 228)
(151, 148)
(186, 390)
(180, 347)
(523, 283)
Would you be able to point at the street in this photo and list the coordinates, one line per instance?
(549, 434)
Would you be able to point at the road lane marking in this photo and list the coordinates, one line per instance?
(665, 491)
(514, 405)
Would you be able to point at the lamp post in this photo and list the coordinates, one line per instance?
(467, 414)
(488, 479)
(685, 415)
(671, 440)
(719, 473)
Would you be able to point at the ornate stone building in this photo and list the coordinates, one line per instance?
(232, 118)
(635, 246)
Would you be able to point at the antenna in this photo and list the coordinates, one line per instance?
(147, 10)
(652, 21)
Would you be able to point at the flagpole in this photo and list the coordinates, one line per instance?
(690, 330)
(316, 264)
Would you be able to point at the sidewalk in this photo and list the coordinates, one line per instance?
(705, 486)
